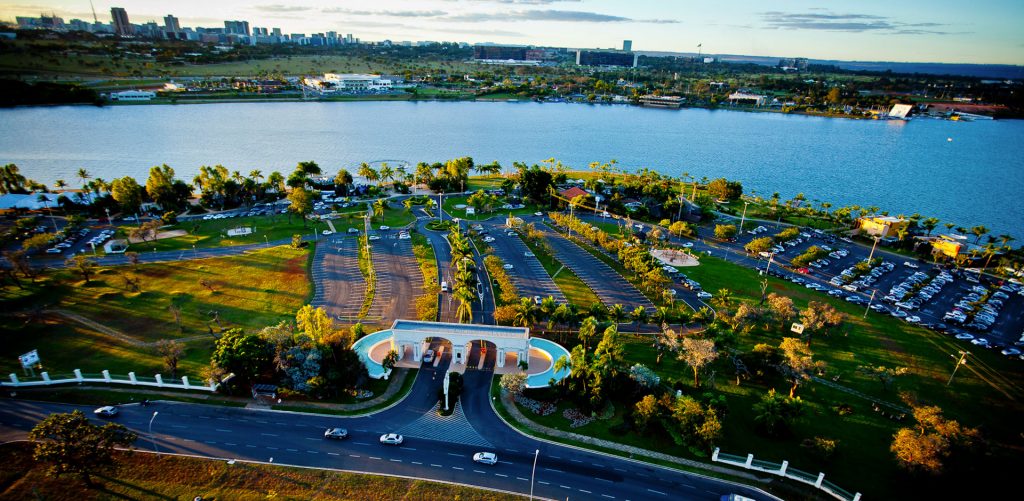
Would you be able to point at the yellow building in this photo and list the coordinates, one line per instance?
(883, 226)
(950, 245)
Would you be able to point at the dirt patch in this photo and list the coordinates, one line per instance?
(160, 236)
(674, 257)
(295, 266)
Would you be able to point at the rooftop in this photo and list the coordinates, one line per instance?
(442, 328)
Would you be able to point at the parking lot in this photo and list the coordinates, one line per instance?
(529, 276)
(915, 291)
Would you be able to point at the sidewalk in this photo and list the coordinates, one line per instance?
(522, 420)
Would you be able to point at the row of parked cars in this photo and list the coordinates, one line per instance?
(865, 280)
(73, 238)
(917, 289)
(686, 281)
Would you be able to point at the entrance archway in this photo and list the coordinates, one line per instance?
(483, 354)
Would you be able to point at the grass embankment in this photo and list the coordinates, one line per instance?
(250, 291)
(451, 202)
(984, 395)
(377, 386)
(426, 304)
(576, 292)
(148, 476)
(122, 395)
(369, 274)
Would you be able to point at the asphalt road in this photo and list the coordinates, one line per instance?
(435, 448)
(483, 311)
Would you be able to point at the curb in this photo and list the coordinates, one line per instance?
(633, 460)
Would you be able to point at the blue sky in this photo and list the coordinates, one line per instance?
(964, 31)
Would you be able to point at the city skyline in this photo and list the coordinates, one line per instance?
(947, 32)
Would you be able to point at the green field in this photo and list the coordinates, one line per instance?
(149, 476)
(213, 233)
(985, 394)
(250, 291)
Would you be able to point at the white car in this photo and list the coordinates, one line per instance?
(1010, 352)
(965, 336)
(704, 295)
(106, 411)
(908, 264)
(403, 236)
(327, 232)
(688, 245)
(538, 214)
(391, 439)
(385, 228)
(488, 239)
(374, 237)
(528, 254)
(508, 266)
(913, 319)
(485, 458)
(336, 433)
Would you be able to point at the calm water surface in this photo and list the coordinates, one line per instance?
(966, 173)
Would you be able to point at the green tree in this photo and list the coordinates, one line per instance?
(301, 203)
(160, 186)
(925, 447)
(248, 356)
(314, 323)
(617, 313)
(763, 244)
(644, 411)
(697, 353)
(85, 265)
(725, 231)
(775, 414)
(344, 178)
(69, 443)
(379, 206)
(390, 360)
(126, 192)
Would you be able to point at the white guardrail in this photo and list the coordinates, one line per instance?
(157, 381)
(783, 470)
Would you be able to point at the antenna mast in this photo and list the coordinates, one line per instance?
(91, 6)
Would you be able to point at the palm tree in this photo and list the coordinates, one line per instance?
(378, 208)
(464, 313)
(386, 173)
(723, 299)
(639, 315)
(524, 316)
(949, 226)
(1006, 239)
(978, 231)
(617, 313)
(84, 176)
(255, 175)
(60, 184)
(563, 363)
(548, 307)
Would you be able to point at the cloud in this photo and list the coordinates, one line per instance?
(572, 16)
(824, 20)
(385, 13)
(282, 8)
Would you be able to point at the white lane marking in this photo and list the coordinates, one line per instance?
(333, 454)
(178, 426)
(457, 468)
(607, 496)
(552, 469)
(353, 455)
(229, 443)
(407, 448)
(603, 480)
(505, 462)
(454, 454)
(272, 448)
(268, 435)
(360, 443)
(188, 440)
(556, 457)
(619, 469)
(595, 464)
(203, 417)
(512, 450)
(656, 492)
(588, 492)
(543, 482)
(259, 421)
(435, 465)
(307, 438)
(687, 485)
(371, 457)
(209, 442)
(480, 471)
(416, 462)
(362, 431)
(395, 460)
(292, 450)
(575, 460)
(281, 424)
(223, 419)
(500, 475)
(250, 445)
(565, 486)
(313, 452)
(523, 479)
(222, 430)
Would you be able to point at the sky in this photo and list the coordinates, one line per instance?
(948, 31)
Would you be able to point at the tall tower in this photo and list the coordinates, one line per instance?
(627, 45)
(171, 23)
(122, 27)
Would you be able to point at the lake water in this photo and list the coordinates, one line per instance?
(965, 173)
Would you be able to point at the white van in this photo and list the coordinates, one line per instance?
(444, 286)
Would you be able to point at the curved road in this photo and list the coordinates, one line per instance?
(435, 448)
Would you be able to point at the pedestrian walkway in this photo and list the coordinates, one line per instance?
(454, 428)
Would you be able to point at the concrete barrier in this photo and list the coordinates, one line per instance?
(107, 378)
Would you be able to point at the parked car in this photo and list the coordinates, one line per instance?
(485, 458)
(391, 439)
(106, 411)
(704, 295)
(508, 266)
(336, 433)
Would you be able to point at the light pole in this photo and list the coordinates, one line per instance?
(743, 218)
(194, 253)
(866, 310)
(534, 472)
(877, 238)
(959, 362)
(151, 437)
(265, 239)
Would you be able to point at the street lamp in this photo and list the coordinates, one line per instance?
(534, 472)
(877, 238)
(959, 362)
(151, 437)
(744, 217)
(267, 240)
(866, 310)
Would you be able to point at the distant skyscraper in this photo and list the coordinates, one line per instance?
(237, 27)
(277, 32)
(122, 27)
(171, 23)
(627, 45)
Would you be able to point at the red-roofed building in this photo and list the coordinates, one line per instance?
(573, 192)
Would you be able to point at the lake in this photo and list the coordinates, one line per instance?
(965, 173)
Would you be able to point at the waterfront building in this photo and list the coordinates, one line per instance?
(653, 101)
(348, 82)
(132, 95)
(954, 245)
(605, 58)
(747, 98)
(119, 18)
(882, 226)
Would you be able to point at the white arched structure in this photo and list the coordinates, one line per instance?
(413, 337)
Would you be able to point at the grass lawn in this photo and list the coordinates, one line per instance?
(121, 394)
(985, 395)
(149, 476)
(484, 183)
(393, 217)
(451, 202)
(376, 386)
(213, 233)
(250, 291)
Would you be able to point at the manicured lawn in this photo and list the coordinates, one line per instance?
(377, 386)
(393, 217)
(451, 202)
(484, 183)
(250, 291)
(149, 476)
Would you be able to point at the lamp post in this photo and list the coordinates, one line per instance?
(959, 362)
(743, 218)
(877, 238)
(151, 437)
(194, 253)
(534, 472)
(866, 310)
(265, 239)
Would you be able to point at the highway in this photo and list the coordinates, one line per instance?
(435, 447)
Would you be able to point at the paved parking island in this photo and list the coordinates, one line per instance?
(399, 280)
(340, 287)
